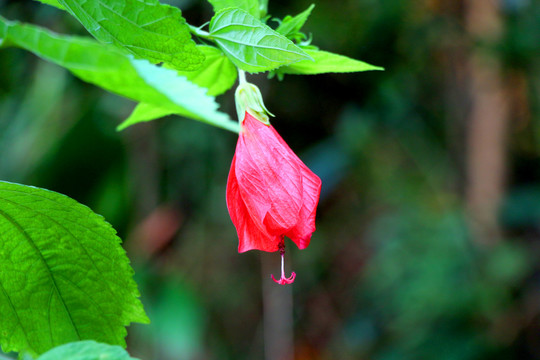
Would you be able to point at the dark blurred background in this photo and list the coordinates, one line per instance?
(428, 229)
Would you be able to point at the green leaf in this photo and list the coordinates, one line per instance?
(183, 96)
(104, 66)
(146, 29)
(217, 74)
(54, 3)
(146, 112)
(290, 26)
(326, 62)
(251, 6)
(3, 32)
(65, 276)
(263, 7)
(250, 44)
(86, 350)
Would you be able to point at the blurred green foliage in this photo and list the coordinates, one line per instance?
(393, 271)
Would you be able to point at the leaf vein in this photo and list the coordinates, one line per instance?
(33, 245)
(12, 306)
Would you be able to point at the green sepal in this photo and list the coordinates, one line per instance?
(248, 97)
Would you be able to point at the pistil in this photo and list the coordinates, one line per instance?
(283, 280)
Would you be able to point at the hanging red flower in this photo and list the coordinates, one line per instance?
(270, 192)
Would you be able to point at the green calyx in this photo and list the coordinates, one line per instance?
(248, 98)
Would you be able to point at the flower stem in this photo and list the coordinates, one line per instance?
(242, 77)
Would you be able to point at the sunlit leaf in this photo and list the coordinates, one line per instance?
(146, 29)
(54, 3)
(251, 6)
(144, 112)
(250, 44)
(326, 62)
(217, 74)
(86, 350)
(65, 276)
(104, 66)
(293, 24)
(185, 97)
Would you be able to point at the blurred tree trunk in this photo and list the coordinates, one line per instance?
(487, 121)
(278, 311)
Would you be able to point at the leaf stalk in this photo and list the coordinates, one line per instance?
(199, 32)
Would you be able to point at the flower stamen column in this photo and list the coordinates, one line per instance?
(283, 280)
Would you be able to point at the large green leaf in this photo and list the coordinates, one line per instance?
(250, 44)
(64, 274)
(86, 350)
(106, 67)
(193, 101)
(217, 74)
(251, 6)
(326, 62)
(145, 28)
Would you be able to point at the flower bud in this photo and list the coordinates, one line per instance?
(270, 192)
(248, 98)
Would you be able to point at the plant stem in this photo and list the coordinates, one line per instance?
(242, 76)
(200, 33)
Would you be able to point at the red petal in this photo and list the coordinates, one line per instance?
(270, 192)
(269, 176)
(301, 233)
(251, 236)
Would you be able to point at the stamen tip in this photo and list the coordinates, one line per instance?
(284, 280)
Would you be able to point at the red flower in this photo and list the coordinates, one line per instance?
(270, 192)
